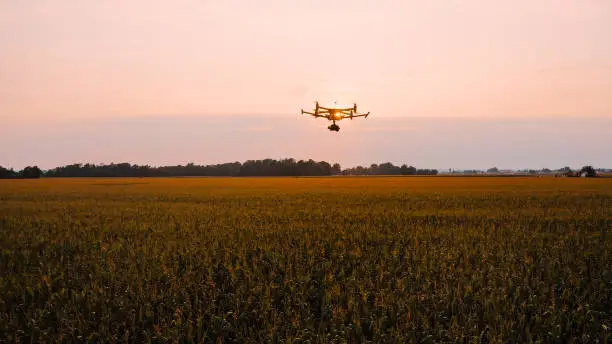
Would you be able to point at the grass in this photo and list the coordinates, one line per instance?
(306, 260)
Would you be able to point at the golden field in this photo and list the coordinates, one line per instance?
(306, 260)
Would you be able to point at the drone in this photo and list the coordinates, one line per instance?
(335, 114)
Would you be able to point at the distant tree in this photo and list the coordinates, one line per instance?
(493, 170)
(373, 169)
(336, 168)
(588, 171)
(546, 170)
(6, 173)
(30, 172)
(426, 172)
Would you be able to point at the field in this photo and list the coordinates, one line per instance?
(306, 260)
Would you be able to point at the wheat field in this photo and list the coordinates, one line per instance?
(306, 260)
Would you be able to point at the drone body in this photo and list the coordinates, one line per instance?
(335, 114)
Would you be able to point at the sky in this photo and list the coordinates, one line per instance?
(168, 82)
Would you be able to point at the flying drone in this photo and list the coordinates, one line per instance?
(335, 114)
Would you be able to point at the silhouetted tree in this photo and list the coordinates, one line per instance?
(7, 174)
(30, 172)
(336, 168)
(588, 171)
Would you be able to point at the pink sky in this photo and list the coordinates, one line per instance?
(396, 58)
(61, 60)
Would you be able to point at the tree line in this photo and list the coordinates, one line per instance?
(265, 167)
(28, 172)
(586, 171)
(389, 169)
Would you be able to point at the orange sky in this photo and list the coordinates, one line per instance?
(110, 58)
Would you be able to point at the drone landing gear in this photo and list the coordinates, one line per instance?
(334, 127)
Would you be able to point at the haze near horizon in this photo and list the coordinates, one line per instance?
(165, 68)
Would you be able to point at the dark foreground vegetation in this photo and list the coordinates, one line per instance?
(321, 260)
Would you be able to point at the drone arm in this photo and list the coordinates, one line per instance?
(312, 114)
(361, 115)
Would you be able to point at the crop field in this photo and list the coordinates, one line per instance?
(306, 260)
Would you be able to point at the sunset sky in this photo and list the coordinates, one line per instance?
(212, 81)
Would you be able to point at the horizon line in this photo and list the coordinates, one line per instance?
(440, 170)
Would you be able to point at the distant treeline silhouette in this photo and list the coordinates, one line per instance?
(266, 167)
(389, 169)
(270, 167)
(28, 172)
